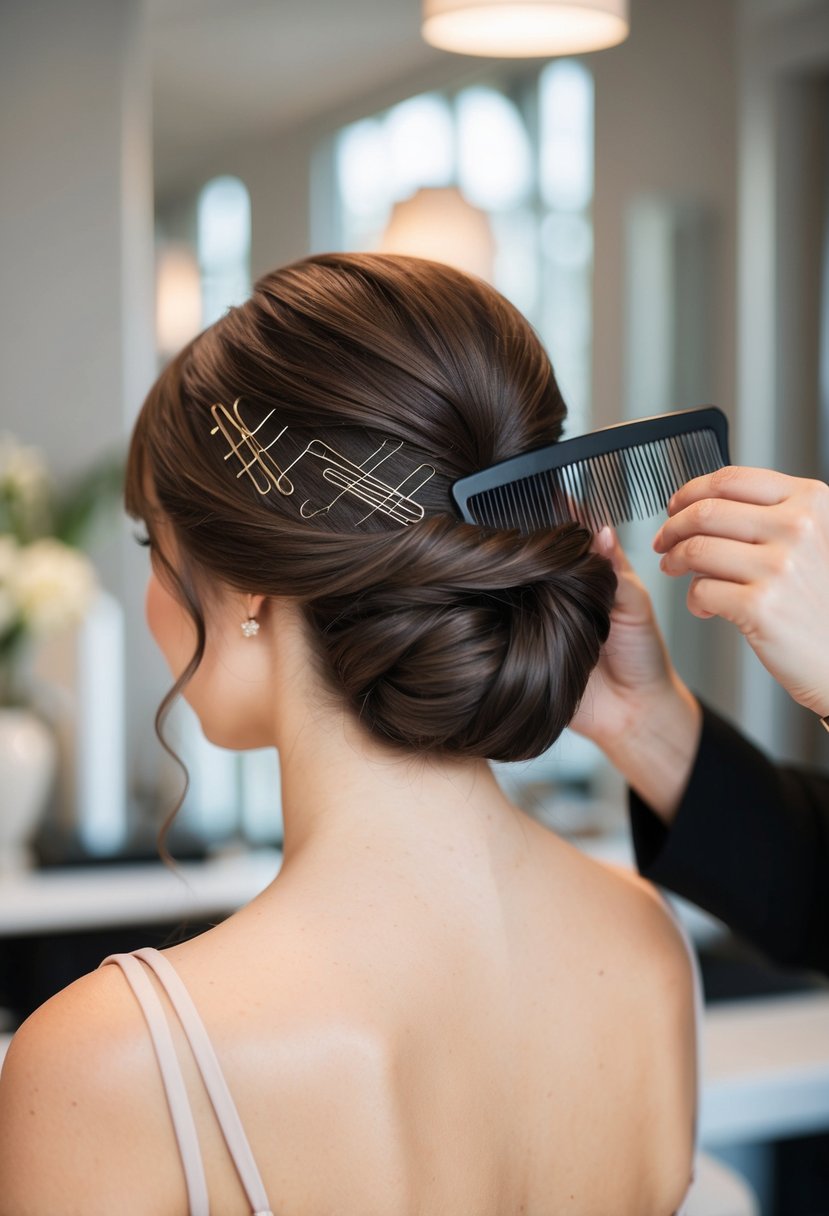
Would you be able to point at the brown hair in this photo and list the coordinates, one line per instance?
(440, 635)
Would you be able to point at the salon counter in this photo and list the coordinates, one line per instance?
(89, 897)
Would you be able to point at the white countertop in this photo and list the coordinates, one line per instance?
(90, 897)
(766, 1068)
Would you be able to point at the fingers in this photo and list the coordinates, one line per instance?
(632, 601)
(716, 557)
(763, 487)
(709, 597)
(607, 543)
(716, 517)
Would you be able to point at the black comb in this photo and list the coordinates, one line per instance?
(623, 472)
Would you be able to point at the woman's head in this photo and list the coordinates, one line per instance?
(441, 636)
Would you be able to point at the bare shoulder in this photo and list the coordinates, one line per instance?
(660, 981)
(620, 923)
(74, 1091)
(656, 931)
(649, 985)
(631, 926)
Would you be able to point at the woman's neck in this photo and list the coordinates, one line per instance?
(343, 789)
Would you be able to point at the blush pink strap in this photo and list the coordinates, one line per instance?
(214, 1080)
(174, 1087)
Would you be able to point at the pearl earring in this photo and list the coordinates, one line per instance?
(250, 627)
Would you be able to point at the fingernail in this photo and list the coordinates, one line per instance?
(605, 539)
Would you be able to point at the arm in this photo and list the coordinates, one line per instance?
(636, 708)
(749, 841)
(713, 818)
(77, 1123)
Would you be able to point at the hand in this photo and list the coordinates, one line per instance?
(635, 707)
(634, 669)
(757, 545)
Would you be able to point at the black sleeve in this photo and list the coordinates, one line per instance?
(750, 843)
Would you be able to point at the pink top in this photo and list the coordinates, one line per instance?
(213, 1077)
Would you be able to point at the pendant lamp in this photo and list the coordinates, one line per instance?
(440, 224)
(524, 28)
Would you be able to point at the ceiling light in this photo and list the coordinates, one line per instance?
(524, 28)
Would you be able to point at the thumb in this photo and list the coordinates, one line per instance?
(606, 542)
(631, 597)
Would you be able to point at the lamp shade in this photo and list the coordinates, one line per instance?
(524, 28)
(440, 224)
(178, 306)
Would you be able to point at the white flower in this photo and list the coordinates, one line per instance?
(53, 585)
(22, 471)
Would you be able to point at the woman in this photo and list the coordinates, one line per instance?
(438, 1006)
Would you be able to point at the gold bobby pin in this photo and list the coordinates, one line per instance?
(259, 456)
(356, 480)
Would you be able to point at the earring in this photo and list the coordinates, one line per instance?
(250, 627)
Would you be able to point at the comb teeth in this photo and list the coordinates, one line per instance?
(610, 488)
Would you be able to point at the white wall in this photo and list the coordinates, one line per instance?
(76, 327)
(665, 126)
(75, 219)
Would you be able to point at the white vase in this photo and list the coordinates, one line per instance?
(27, 765)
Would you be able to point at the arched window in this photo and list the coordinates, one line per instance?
(223, 245)
(521, 158)
(565, 138)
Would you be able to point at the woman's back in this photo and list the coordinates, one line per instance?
(476, 1032)
(505, 1017)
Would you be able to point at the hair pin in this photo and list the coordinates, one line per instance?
(358, 480)
(247, 445)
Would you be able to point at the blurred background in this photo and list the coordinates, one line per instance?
(658, 209)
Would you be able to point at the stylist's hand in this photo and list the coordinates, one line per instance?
(635, 707)
(757, 545)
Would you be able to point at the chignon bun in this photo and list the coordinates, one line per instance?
(471, 643)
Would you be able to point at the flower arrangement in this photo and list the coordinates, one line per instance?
(46, 582)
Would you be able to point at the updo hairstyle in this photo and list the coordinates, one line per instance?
(441, 636)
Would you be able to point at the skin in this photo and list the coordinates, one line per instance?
(636, 708)
(756, 544)
(437, 1006)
